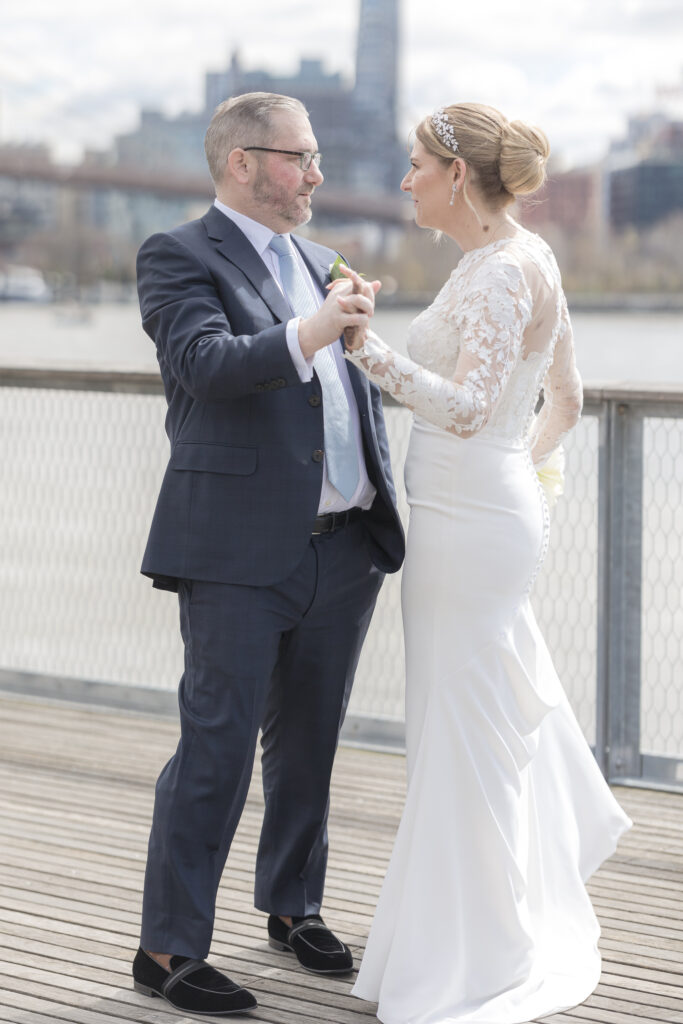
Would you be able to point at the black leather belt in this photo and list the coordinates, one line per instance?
(332, 521)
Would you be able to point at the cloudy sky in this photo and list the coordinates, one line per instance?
(75, 72)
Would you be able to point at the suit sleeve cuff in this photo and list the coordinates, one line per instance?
(303, 366)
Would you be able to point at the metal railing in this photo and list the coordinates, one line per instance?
(81, 458)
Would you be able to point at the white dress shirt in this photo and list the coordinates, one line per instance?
(260, 236)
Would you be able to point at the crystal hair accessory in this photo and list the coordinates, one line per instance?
(444, 129)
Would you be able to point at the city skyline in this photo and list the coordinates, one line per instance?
(74, 77)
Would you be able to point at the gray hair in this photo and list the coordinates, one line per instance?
(243, 121)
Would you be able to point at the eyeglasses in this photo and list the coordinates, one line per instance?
(305, 159)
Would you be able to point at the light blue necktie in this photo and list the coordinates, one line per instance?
(341, 453)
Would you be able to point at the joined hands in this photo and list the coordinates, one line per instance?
(354, 337)
(346, 310)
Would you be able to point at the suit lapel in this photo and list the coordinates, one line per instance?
(235, 247)
(318, 268)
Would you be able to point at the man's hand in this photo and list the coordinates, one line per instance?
(333, 318)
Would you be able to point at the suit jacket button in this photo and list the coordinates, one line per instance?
(314, 400)
(258, 387)
(318, 455)
(281, 382)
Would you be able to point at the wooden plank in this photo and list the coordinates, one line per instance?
(83, 991)
(76, 791)
(646, 1001)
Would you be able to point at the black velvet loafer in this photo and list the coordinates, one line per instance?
(314, 945)
(192, 986)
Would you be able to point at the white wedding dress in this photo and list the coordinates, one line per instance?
(483, 916)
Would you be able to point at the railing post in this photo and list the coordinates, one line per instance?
(619, 591)
(602, 748)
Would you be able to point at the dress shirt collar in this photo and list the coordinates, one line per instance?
(258, 234)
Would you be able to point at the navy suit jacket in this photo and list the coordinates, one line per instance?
(242, 486)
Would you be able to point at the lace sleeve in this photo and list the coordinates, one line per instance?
(562, 397)
(489, 329)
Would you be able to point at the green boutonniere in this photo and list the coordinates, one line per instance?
(335, 272)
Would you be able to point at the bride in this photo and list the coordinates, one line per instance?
(483, 915)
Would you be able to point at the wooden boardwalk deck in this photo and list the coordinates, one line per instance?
(76, 787)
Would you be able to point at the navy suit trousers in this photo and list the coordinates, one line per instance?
(279, 658)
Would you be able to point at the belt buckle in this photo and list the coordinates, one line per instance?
(323, 529)
(334, 521)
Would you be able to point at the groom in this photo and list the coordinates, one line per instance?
(275, 523)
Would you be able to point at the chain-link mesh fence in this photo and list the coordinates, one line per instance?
(661, 698)
(79, 475)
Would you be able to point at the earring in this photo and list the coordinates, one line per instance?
(453, 191)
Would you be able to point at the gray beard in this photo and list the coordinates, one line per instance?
(268, 194)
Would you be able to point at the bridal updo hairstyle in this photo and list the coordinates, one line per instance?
(506, 158)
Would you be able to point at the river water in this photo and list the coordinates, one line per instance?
(633, 347)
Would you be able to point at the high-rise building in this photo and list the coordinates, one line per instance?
(571, 202)
(646, 193)
(645, 171)
(355, 125)
(327, 97)
(375, 96)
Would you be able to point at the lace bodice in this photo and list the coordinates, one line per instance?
(497, 332)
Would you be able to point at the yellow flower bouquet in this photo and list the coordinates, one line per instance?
(551, 476)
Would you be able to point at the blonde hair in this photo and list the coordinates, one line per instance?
(243, 121)
(506, 158)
